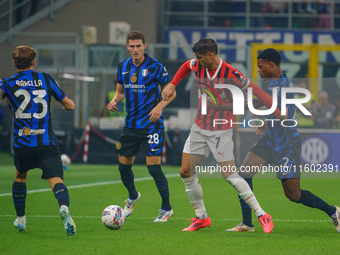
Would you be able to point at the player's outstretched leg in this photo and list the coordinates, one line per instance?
(293, 192)
(162, 185)
(195, 194)
(61, 193)
(309, 199)
(248, 196)
(19, 200)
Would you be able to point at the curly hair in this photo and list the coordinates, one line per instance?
(271, 55)
(135, 35)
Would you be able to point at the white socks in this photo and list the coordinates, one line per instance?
(195, 194)
(245, 193)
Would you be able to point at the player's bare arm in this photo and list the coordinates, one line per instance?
(168, 92)
(118, 98)
(156, 112)
(67, 103)
(261, 130)
(1, 95)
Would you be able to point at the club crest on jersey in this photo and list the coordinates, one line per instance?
(118, 146)
(145, 72)
(26, 131)
(133, 78)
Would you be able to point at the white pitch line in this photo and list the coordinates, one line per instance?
(174, 218)
(92, 184)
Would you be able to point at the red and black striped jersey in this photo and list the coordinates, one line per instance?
(223, 74)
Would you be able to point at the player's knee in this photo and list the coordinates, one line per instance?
(20, 177)
(184, 173)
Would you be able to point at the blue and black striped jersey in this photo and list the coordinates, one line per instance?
(29, 94)
(279, 138)
(142, 88)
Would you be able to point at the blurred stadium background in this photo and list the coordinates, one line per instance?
(80, 43)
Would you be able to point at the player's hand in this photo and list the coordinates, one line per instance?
(168, 91)
(155, 113)
(112, 106)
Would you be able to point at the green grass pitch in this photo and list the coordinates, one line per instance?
(298, 229)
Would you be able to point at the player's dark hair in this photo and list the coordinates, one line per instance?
(271, 55)
(135, 35)
(205, 45)
(23, 57)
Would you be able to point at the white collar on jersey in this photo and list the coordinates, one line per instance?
(217, 70)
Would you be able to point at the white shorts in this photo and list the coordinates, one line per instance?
(201, 142)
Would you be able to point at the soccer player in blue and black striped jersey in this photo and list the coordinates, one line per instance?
(140, 81)
(280, 146)
(29, 94)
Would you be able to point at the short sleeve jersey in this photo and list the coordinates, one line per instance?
(29, 94)
(224, 74)
(279, 138)
(142, 88)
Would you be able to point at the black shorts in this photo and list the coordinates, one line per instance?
(286, 164)
(47, 158)
(131, 140)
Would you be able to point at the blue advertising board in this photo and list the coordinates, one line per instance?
(233, 43)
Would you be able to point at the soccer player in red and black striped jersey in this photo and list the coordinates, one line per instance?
(35, 144)
(207, 135)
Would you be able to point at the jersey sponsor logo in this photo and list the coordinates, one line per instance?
(26, 131)
(31, 83)
(210, 94)
(135, 87)
(165, 73)
(125, 72)
(144, 72)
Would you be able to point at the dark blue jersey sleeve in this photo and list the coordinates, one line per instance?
(163, 76)
(56, 91)
(3, 88)
(119, 73)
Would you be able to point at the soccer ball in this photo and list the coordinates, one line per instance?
(113, 217)
(65, 160)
